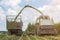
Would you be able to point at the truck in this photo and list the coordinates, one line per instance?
(14, 27)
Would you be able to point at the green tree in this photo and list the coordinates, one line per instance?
(57, 26)
(31, 28)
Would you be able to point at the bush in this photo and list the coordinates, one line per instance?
(57, 26)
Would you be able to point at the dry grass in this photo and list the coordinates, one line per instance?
(26, 37)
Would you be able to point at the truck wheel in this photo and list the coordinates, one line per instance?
(9, 33)
(19, 33)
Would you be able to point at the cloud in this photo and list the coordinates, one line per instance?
(53, 10)
(14, 2)
(1, 14)
(30, 0)
(1, 10)
(11, 6)
(55, 2)
(11, 12)
(10, 2)
(2, 20)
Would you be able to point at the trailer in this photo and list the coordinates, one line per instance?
(14, 27)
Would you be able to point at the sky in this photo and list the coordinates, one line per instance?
(12, 7)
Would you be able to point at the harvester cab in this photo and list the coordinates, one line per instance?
(45, 26)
